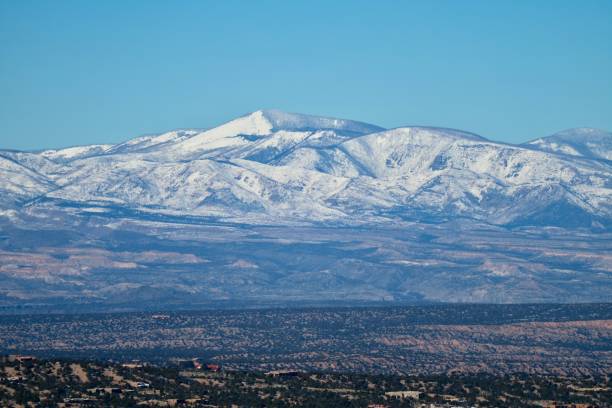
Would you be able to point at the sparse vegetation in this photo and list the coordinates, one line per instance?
(499, 339)
(52, 383)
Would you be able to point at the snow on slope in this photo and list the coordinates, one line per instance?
(270, 165)
(295, 121)
(74, 153)
(250, 128)
(35, 162)
(144, 143)
(396, 151)
(586, 142)
(441, 172)
(204, 187)
(19, 184)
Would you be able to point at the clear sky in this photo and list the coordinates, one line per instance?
(80, 72)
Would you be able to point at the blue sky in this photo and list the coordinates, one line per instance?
(80, 72)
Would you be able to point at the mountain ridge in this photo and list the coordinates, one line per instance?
(585, 142)
(269, 164)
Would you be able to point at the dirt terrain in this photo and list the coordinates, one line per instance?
(543, 339)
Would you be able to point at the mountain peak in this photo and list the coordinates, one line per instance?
(441, 132)
(581, 134)
(280, 120)
(585, 142)
(239, 132)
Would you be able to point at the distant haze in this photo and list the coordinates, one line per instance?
(74, 73)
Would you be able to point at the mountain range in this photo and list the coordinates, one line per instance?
(270, 166)
(298, 174)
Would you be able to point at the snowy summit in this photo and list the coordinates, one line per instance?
(270, 166)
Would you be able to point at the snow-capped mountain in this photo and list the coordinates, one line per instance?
(270, 166)
(260, 135)
(274, 207)
(19, 183)
(584, 142)
(75, 153)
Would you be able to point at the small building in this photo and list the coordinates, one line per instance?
(283, 373)
(132, 365)
(21, 359)
(188, 363)
(404, 394)
(79, 400)
(212, 367)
